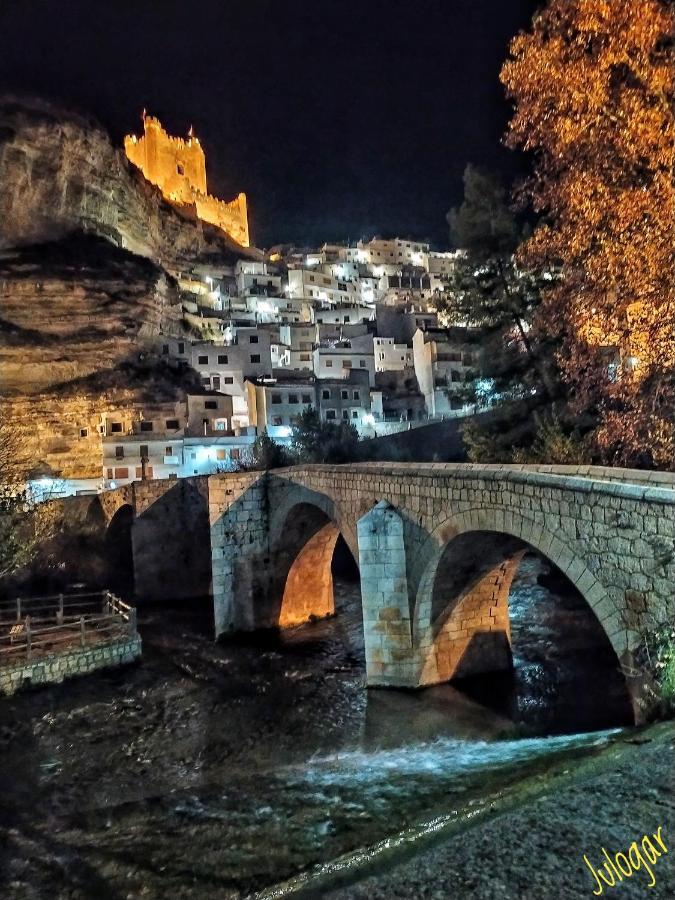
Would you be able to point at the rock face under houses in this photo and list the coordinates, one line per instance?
(78, 321)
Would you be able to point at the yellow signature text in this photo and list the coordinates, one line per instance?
(640, 858)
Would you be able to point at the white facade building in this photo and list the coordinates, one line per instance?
(391, 357)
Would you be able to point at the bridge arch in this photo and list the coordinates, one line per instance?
(119, 552)
(305, 528)
(461, 617)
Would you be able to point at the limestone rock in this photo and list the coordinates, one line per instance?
(60, 173)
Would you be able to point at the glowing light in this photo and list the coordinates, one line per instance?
(368, 419)
(113, 484)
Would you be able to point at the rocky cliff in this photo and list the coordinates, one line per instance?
(88, 250)
(80, 321)
(60, 173)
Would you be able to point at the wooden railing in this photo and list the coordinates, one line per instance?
(44, 626)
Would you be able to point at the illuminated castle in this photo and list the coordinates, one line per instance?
(178, 168)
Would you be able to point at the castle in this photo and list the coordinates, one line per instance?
(178, 168)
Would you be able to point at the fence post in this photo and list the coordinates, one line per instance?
(18, 609)
(82, 636)
(29, 649)
(59, 614)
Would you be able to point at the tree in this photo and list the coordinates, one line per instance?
(499, 300)
(594, 91)
(266, 454)
(493, 295)
(315, 441)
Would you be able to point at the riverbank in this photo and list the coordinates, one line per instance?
(535, 851)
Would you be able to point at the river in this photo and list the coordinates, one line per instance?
(222, 770)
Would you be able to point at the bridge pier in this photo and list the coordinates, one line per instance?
(391, 658)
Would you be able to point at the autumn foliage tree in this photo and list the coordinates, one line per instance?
(593, 84)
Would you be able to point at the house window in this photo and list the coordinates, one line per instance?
(181, 347)
(84, 432)
(221, 454)
(215, 382)
(277, 420)
(292, 398)
(329, 363)
(355, 414)
(253, 338)
(346, 363)
(331, 414)
(143, 452)
(345, 414)
(305, 357)
(255, 357)
(165, 349)
(172, 425)
(362, 363)
(222, 359)
(276, 398)
(168, 451)
(306, 398)
(146, 426)
(203, 360)
(115, 427)
(109, 474)
(357, 395)
(179, 169)
(121, 473)
(210, 404)
(119, 452)
(325, 395)
(345, 395)
(234, 453)
(139, 471)
(228, 379)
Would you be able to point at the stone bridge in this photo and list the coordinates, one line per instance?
(437, 546)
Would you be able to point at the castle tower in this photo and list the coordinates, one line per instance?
(178, 168)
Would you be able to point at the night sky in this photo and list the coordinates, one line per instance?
(338, 119)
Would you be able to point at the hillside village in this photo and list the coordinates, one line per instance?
(245, 339)
(349, 331)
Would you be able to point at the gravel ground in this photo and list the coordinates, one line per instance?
(536, 851)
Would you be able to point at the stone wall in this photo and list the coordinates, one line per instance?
(54, 669)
